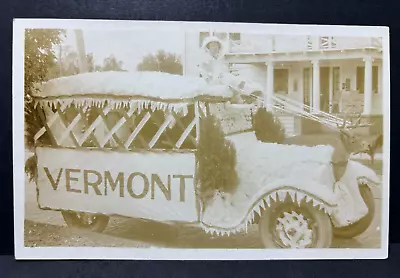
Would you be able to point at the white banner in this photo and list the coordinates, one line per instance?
(156, 186)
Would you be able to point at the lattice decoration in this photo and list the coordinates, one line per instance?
(327, 42)
(309, 43)
(126, 127)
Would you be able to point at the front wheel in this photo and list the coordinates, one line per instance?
(90, 221)
(289, 225)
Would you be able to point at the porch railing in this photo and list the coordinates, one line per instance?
(269, 44)
(291, 106)
(298, 108)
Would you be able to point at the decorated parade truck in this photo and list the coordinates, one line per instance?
(179, 149)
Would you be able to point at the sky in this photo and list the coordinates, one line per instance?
(128, 46)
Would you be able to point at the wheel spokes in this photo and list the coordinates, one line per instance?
(293, 230)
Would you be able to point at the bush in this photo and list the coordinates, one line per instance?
(216, 160)
(31, 168)
(33, 123)
(267, 127)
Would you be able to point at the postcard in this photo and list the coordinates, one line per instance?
(200, 140)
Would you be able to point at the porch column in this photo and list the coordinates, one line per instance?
(368, 86)
(269, 88)
(330, 89)
(316, 86)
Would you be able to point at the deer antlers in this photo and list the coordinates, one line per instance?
(343, 125)
(353, 124)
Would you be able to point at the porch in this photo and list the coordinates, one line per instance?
(329, 85)
(321, 84)
(343, 86)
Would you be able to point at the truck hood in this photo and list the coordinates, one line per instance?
(266, 168)
(268, 162)
(363, 172)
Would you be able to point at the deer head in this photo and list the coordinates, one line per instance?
(350, 134)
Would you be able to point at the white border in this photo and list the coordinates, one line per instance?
(22, 252)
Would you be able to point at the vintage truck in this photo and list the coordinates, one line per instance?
(122, 143)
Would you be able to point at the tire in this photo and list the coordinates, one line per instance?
(274, 234)
(361, 225)
(75, 220)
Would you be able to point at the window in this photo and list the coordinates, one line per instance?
(234, 36)
(281, 81)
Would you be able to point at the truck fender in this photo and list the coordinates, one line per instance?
(321, 195)
(364, 174)
(351, 205)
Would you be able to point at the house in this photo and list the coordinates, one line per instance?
(324, 75)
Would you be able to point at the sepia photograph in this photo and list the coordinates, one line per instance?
(182, 140)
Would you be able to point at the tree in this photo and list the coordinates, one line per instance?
(39, 58)
(111, 64)
(216, 160)
(39, 54)
(67, 64)
(162, 62)
(91, 66)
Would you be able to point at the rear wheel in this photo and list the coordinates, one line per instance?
(287, 225)
(90, 221)
(361, 225)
